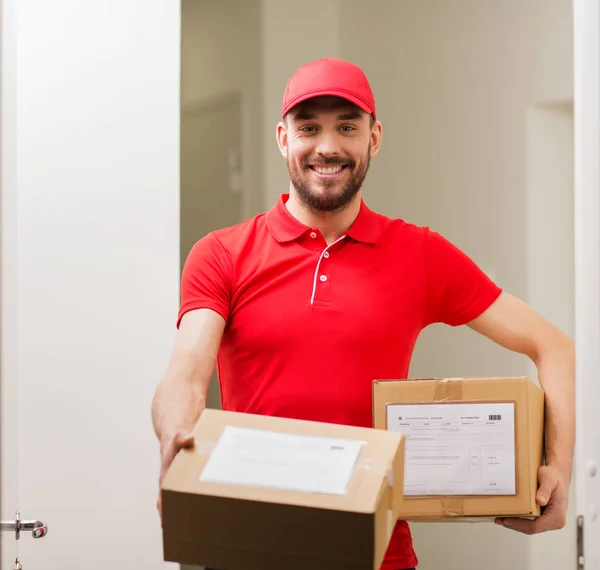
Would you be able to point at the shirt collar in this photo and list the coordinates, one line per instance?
(285, 228)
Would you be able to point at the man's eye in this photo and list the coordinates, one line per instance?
(307, 129)
(348, 128)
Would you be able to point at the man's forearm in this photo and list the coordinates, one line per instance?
(176, 406)
(556, 372)
(181, 395)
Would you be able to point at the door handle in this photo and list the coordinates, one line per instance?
(38, 528)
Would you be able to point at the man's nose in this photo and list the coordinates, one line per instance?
(328, 145)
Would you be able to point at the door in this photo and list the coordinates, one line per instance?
(211, 177)
(587, 255)
(90, 274)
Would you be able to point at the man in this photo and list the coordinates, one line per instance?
(302, 307)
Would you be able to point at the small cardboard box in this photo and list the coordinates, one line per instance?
(473, 446)
(266, 493)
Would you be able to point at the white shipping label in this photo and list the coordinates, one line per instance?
(457, 449)
(292, 462)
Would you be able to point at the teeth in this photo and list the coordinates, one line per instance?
(331, 170)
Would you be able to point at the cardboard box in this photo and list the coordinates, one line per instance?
(473, 446)
(253, 522)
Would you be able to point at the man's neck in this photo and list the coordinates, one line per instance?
(332, 225)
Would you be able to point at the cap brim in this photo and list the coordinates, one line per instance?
(331, 93)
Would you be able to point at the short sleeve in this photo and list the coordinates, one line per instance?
(206, 280)
(458, 291)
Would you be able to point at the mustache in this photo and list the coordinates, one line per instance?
(329, 162)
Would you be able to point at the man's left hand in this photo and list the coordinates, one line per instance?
(553, 496)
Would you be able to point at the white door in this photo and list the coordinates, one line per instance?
(90, 273)
(587, 255)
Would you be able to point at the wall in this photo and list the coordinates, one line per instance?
(450, 95)
(550, 205)
(550, 261)
(454, 83)
(551, 77)
(220, 55)
(93, 190)
(450, 91)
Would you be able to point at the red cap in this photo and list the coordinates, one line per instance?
(329, 77)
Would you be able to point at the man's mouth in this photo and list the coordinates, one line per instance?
(328, 170)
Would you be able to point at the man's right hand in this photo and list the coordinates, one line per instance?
(169, 448)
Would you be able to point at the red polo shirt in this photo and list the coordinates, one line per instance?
(310, 326)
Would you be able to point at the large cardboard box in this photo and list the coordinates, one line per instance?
(473, 446)
(265, 493)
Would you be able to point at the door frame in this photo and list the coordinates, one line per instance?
(586, 23)
(8, 265)
(1, 224)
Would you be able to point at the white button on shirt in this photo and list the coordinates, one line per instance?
(313, 235)
(323, 278)
(326, 255)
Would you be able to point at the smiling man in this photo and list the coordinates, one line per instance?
(324, 178)
(303, 307)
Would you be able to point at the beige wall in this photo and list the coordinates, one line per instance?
(220, 55)
(451, 90)
(552, 47)
(456, 82)
(550, 262)
(450, 94)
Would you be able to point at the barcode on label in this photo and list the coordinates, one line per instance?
(495, 418)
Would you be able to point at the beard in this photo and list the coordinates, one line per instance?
(322, 195)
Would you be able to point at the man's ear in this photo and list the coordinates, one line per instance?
(376, 134)
(282, 138)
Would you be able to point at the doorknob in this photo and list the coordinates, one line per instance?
(38, 528)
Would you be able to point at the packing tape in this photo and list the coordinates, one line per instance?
(452, 507)
(390, 480)
(448, 389)
(381, 468)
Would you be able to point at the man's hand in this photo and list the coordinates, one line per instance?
(553, 496)
(168, 450)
